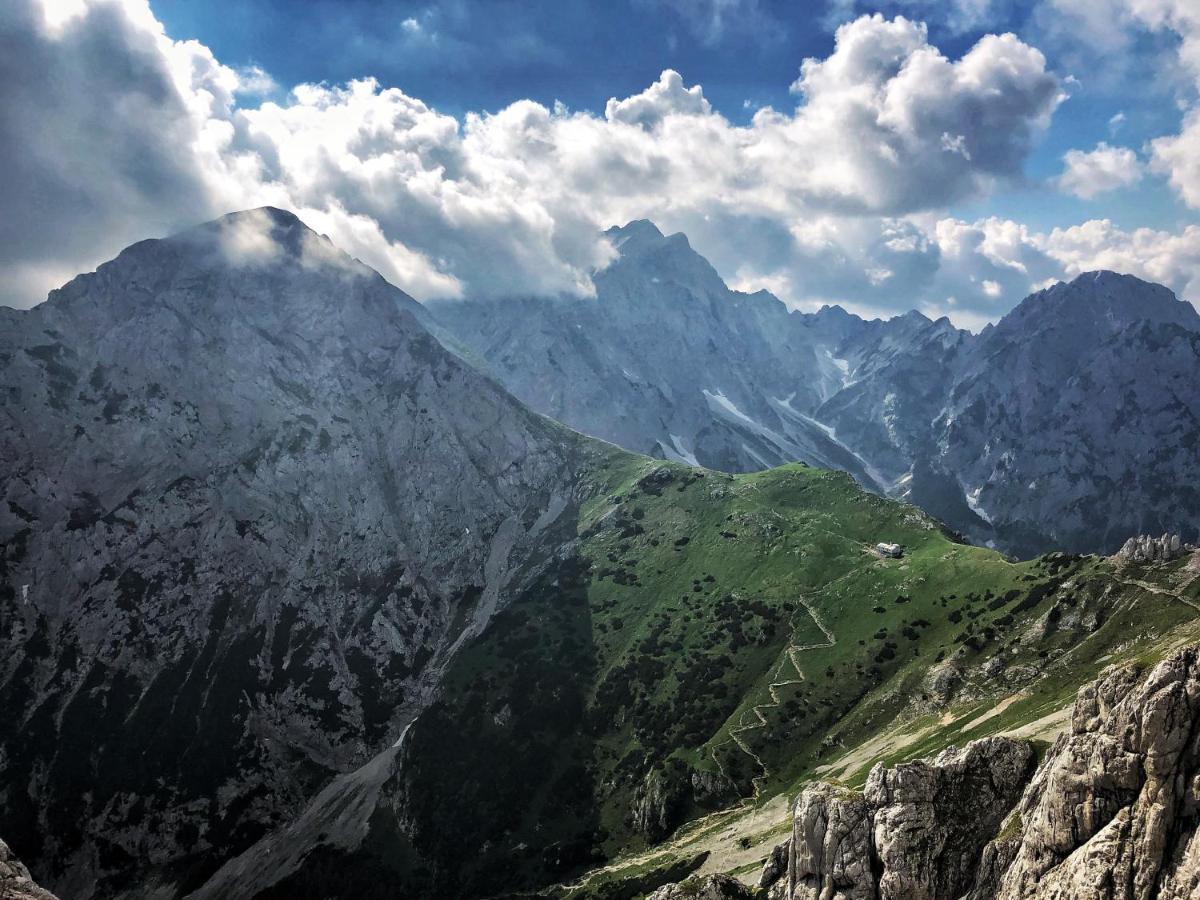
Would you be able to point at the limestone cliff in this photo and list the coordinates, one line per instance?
(1111, 813)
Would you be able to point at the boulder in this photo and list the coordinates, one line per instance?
(704, 887)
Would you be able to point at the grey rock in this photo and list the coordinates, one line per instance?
(775, 868)
(704, 887)
(1112, 813)
(932, 819)
(1052, 429)
(916, 832)
(1144, 548)
(15, 881)
(244, 492)
(656, 805)
(831, 846)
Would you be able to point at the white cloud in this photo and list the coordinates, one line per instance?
(1178, 158)
(254, 81)
(1087, 174)
(1115, 29)
(665, 97)
(510, 202)
(838, 200)
(1168, 258)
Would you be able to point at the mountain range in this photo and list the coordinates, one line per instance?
(296, 601)
(1071, 424)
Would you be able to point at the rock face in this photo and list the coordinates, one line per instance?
(1057, 428)
(830, 853)
(249, 508)
(1144, 548)
(15, 880)
(1114, 809)
(1112, 812)
(915, 833)
(666, 360)
(931, 820)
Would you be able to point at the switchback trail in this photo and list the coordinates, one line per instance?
(789, 658)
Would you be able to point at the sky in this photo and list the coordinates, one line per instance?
(949, 156)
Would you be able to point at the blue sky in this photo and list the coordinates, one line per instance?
(948, 155)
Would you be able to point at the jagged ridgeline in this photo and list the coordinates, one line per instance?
(296, 603)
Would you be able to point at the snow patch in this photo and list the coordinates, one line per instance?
(678, 451)
(972, 498)
(842, 365)
(726, 404)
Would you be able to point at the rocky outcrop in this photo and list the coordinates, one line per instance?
(1144, 548)
(831, 846)
(1112, 813)
(15, 881)
(915, 833)
(665, 793)
(776, 866)
(656, 805)
(704, 887)
(931, 820)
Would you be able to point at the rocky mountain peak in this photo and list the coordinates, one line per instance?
(633, 235)
(1096, 303)
(649, 256)
(222, 450)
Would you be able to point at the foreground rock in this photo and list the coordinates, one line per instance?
(1113, 810)
(1112, 813)
(15, 880)
(917, 830)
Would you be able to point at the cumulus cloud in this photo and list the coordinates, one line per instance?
(1117, 29)
(1089, 173)
(1178, 158)
(840, 199)
(667, 96)
(1168, 258)
(104, 124)
(133, 133)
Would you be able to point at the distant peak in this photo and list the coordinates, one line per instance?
(1101, 296)
(638, 227)
(638, 235)
(260, 236)
(281, 217)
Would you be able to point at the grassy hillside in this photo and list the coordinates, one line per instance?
(714, 638)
